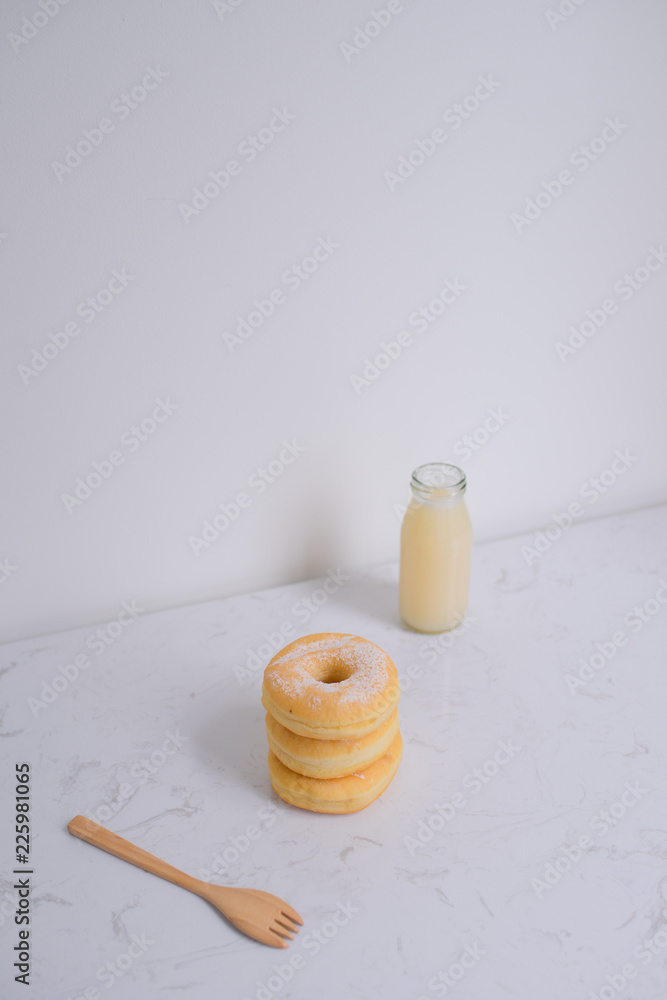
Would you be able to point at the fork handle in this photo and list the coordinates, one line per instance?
(99, 836)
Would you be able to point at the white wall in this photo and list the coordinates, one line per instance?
(323, 176)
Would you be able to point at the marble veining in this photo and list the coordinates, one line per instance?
(519, 853)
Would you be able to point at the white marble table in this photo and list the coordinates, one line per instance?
(457, 882)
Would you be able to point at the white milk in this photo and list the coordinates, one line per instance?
(436, 542)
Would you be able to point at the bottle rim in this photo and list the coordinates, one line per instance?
(438, 481)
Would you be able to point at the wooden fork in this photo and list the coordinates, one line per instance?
(258, 914)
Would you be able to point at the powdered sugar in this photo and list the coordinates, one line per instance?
(368, 663)
(316, 646)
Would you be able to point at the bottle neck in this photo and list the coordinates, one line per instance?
(438, 484)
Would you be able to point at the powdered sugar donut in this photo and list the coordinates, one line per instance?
(331, 686)
(330, 758)
(336, 795)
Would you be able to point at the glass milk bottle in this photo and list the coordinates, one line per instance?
(436, 544)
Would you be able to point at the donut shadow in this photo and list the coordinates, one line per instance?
(232, 742)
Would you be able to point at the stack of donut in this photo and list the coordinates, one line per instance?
(332, 722)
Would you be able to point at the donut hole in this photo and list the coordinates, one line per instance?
(334, 672)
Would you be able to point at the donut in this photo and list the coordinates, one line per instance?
(331, 686)
(330, 758)
(336, 795)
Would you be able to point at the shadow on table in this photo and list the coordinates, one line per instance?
(232, 740)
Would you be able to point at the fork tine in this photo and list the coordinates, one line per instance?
(290, 928)
(278, 928)
(275, 942)
(281, 935)
(291, 914)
